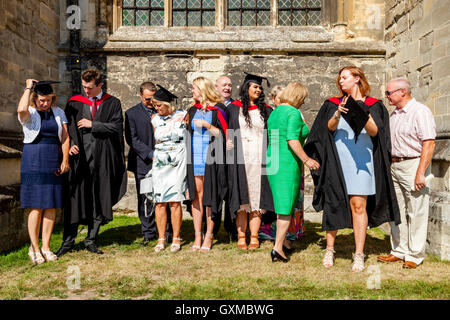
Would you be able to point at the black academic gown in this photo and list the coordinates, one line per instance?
(215, 183)
(99, 168)
(330, 193)
(237, 178)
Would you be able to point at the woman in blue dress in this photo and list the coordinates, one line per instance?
(45, 158)
(207, 183)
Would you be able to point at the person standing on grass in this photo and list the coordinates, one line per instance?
(140, 137)
(98, 177)
(285, 159)
(45, 158)
(249, 191)
(354, 184)
(413, 132)
(169, 168)
(207, 181)
(224, 87)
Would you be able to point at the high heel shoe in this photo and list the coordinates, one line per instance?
(277, 257)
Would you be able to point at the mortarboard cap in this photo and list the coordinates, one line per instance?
(44, 88)
(162, 94)
(357, 115)
(255, 78)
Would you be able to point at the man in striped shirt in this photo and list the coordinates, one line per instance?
(413, 132)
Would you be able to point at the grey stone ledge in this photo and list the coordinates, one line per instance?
(442, 150)
(229, 34)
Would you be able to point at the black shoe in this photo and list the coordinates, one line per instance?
(277, 257)
(63, 250)
(288, 250)
(94, 249)
(144, 242)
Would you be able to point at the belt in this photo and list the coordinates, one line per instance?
(400, 159)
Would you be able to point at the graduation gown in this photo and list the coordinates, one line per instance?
(330, 194)
(215, 180)
(99, 167)
(237, 178)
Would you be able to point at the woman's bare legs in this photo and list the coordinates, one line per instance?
(197, 211)
(48, 223)
(34, 227)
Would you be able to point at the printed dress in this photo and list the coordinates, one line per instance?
(169, 161)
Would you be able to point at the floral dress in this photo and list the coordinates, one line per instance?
(169, 160)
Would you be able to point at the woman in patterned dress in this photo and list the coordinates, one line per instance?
(169, 166)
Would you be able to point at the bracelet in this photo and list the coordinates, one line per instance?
(27, 89)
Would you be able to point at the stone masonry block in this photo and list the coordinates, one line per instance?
(426, 43)
(441, 68)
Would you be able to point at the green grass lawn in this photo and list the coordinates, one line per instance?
(129, 271)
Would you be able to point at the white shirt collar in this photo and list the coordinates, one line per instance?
(98, 97)
(408, 106)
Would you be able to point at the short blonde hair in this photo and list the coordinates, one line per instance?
(208, 91)
(167, 104)
(34, 96)
(294, 94)
(363, 84)
(275, 91)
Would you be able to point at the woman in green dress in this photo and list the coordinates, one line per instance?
(285, 158)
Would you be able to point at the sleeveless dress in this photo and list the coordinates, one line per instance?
(284, 168)
(200, 142)
(356, 159)
(41, 185)
(169, 159)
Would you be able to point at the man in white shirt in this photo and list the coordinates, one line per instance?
(413, 132)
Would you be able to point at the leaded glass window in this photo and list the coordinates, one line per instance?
(143, 13)
(193, 13)
(248, 12)
(299, 12)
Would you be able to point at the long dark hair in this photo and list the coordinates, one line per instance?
(245, 98)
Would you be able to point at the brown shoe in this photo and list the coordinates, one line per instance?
(241, 245)
(409, 265)
(255, 244)
(389, 258)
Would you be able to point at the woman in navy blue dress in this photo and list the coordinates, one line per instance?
(45, 158)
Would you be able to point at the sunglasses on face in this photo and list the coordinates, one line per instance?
(148, 99)
(388, 93)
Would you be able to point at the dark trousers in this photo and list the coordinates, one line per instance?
(148, 224)
(229, 224)
(71, 231)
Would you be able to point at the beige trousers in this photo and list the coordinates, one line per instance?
(408, 239)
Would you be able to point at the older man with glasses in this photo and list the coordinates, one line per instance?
(413, 132)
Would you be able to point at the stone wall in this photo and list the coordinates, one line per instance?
(29, 40)
(418, 47)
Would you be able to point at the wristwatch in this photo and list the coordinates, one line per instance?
(336, 116)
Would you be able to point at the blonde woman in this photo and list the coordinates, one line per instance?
(275, 95)
(285, 158)
(169, 166)
(207, 183)
(354, 187)
(45, 157)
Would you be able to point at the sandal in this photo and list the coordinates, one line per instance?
(196, 247)
(211, 236)
(174, 247)
(49, 256)
(242, 246)
(36, 257)
(253, 246)
(328, 259)
(160, 246)
(358, 262)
